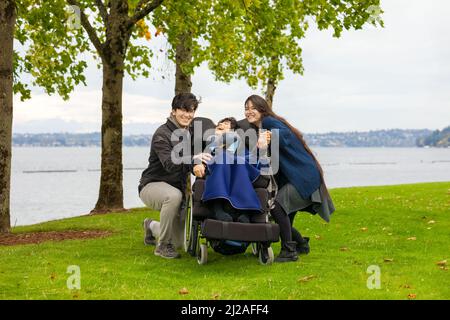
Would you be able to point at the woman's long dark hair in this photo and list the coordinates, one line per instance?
(262, 106)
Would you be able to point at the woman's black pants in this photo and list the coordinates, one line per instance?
(287, 231)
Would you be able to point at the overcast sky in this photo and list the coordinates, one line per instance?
(396, 77)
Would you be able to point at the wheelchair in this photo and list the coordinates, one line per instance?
(201, 231)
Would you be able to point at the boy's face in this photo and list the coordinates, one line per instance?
(184, 117)
(223, 127)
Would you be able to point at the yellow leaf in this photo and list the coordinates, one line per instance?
(183, 291)
(307, 278)
(442, 263)
(159, 30)
(364, 229)
(412, 296)
(412, 238)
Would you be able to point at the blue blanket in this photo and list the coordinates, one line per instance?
(231, 179)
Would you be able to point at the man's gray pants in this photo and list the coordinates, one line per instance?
(163, 197)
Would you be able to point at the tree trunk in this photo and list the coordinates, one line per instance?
(183, 55)
(270, 91)
(7, 23)
(111, 182)
(110, 196)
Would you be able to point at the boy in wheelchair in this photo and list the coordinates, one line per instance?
(229, 182)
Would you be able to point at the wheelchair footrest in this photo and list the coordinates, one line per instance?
(252, 232)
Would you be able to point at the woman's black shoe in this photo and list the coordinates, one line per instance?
(288, 252)
(303, 247)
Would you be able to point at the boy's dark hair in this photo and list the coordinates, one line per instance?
(185, 101)
(232, 120)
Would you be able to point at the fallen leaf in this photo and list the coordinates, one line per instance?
(431, 222)
(442, 263)
(412, 296)
(53, 276)
(364, 229)
(317, 237)
(390, 234)
(307, 278)
(443, 268)
(343, 249)
(388, 259)
(406, 286)
(412, 238)
(216, 296)
(183, 291)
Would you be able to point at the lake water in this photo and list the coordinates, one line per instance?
(44, 196)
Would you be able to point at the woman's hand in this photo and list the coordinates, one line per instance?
(264, 139)
(199, 170)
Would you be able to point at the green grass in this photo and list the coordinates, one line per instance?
(121, 267)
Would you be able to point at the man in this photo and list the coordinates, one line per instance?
(163, 184)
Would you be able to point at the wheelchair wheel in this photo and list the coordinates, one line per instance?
(255, 249)
(202, 255)
(188, 225)
(194, 239)
(266, 255)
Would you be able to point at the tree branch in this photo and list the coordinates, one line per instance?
(102, 9)
(142, 13)
(89, 29)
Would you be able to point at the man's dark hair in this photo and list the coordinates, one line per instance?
(232, 120)
(185, 101)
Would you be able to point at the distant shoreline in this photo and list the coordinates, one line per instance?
(397, 138)
(312, 146)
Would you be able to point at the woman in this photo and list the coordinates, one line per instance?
(301, 186)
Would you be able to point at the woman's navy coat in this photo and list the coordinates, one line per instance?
(296, 165)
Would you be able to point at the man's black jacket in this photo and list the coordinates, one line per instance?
(161, 167)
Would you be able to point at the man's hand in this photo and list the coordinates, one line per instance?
(199, 170)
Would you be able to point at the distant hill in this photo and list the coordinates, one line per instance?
(73, 140)
(436, 139)
(379, 138)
